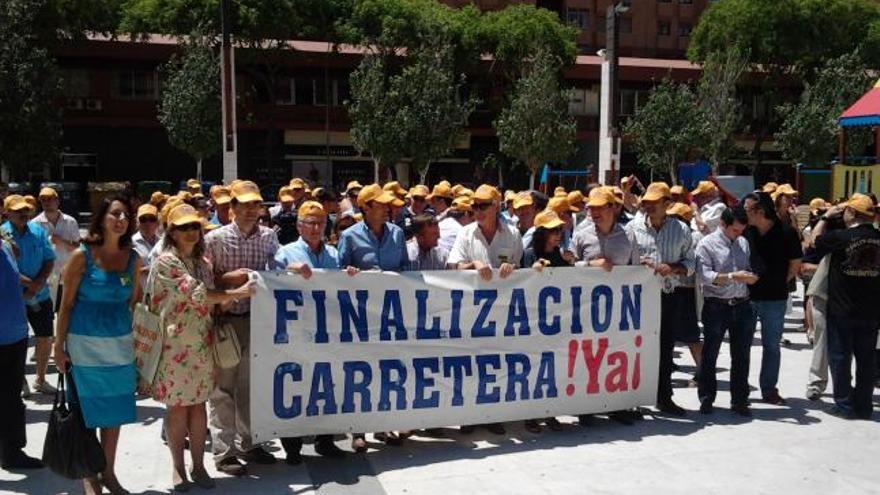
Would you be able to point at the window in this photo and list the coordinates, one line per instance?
(626, 25)
(663, 28)
(628, 99)
(684, 30)
(137, 85)
(685, 2)
(578, 18)
(311, 91)
(76, 83)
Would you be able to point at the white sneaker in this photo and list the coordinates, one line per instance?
(25, 389)
(44, 388)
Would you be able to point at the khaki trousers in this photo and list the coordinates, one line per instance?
(230, 402)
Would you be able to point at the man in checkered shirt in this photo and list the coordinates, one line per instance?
(236, 250)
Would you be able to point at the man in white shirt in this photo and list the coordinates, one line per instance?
(708, 200)
(458, 215)
(62, 230)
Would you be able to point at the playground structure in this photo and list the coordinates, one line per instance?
(849, 178)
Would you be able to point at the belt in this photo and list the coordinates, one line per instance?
(733, 301)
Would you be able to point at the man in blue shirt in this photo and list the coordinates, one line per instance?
(375, 243)
(13, 351)
(36, 258)
(300, 256)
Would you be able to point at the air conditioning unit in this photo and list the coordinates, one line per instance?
(75, 104)
(93, 105)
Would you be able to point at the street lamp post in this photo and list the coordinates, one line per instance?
(609, 134)
(227, 85)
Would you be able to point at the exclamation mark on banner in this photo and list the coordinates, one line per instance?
(572, 356)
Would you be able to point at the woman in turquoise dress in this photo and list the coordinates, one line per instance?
(94, 332)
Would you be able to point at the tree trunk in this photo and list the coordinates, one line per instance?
(423, 173)
(532, 180)
(375, 170)
(672, 175)
(199, 169)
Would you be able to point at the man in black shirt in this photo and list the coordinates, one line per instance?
(853, 312)
(775, 258)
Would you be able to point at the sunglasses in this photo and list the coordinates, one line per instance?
(190, 227)
(119, 215)
(482, 206)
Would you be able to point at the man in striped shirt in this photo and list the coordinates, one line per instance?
(665, 245)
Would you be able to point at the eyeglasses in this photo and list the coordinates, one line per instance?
(190, 227)
(482, 206)
(119, 214)
(311, 224)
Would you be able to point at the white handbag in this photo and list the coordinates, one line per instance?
(227, 351)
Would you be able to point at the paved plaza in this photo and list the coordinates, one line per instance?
(797, 448)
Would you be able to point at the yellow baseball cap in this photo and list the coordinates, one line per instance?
(183, 214)
(442, 190)
(353, 185)
(374, 192)
(769, 187)
(285, 195)
(617, 192)
(147, 210)
(560, 205)
(220, 195)
(523, 198)
(31, 201)
(157, 197)
(682, 210)
(559, 191)
(548, 219)
(47, 192)
(486, 193)
(509, 195)
(600, 196)
(705, 187)
(785, 189)
(193, 184)
(676, 190)
(15, 202)
(246, 192)
(656, 191)
(395, 188)
(296, 183)
(419, 191)
(465, 193)
(861, 203)
(311, 208)
(575, 197)
(817, 204)
(462, 203)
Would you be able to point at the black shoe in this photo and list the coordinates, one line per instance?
(496, 428)
(326, 448)
(466, 429)
(554, 424)
(774, 398)
(742, 410)
(841, 412)
(621, 417)
(532, 426)
(585, 420)
(231, 466)
(706, 407)
(672, 409)
(293, 458)
(258, 456)
(19, 460)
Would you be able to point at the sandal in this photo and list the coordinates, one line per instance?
(359, 444)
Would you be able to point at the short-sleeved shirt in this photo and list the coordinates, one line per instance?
(853, 272)
(13, 322)
(672, 244)
(433, 259)
(229, 249)
(67, 229)
(619, 246)
(770, 255)
(143, 247)
(449, 229)
(471, 245)
(359, 247)
(34, 250)
(326, 258)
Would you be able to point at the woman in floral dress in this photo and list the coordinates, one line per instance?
(181, 292)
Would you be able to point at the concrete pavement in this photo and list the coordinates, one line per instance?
(796, 448)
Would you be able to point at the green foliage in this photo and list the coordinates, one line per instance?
(190, 107)
(718, 106)
(410, 111)
(29, 121)
(664, 130)
(521, 32)
(536, 126)
(810, 126)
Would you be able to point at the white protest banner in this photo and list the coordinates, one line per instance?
(386, 351)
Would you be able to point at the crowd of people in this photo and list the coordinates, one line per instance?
(190, 256)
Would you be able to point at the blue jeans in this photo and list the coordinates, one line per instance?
(848, 338)
(718, 319)
(772, 316)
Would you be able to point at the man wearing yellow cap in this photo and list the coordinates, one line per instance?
(603, 242)
(853, 312)
(458, 215)
(525, 209)
(352, 189)
(62, 230)
(221, 198)
(709, 205)
(665, 245)
(441, 198)
(36, 260)
(194, 186)
(236, 250)
(147, 236)
(283, 220)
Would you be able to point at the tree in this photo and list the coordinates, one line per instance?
(190, 107)
(536, 126)
(810, 125)
(29, 121)
(666, 128)
(718, 106)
